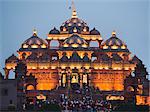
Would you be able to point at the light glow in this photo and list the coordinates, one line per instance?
(84, 45)
(74, 78)
(75, 30)
(105, 47)
(85, 78)
(84, 30)
(123, 47)
(66, 45)
(114, 97)
(41, 97)
(25, 46)
(114, 47)
(64, 29)
(34, 46)
(75, 45)
(43, 46)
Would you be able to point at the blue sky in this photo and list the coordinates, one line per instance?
(130, 19)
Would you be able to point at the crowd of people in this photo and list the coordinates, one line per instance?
(85, 105)
(80, 100)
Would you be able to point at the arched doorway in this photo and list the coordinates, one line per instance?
(75, 81)
(11, 74)
(54, 44)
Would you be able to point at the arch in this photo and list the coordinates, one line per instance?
(94, 43)
(30, 87)
(54, 43)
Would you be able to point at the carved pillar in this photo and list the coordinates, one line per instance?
(68, 77)
(90, 55)
(60, 74)
(60, 43)
(60, 54)
(88, 41)
(99, 42)
(89, 77)
(48, 41)
(6, 72)
(81, 77)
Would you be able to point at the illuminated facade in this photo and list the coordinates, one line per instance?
(74, 63)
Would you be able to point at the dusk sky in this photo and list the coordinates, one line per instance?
(129, 18)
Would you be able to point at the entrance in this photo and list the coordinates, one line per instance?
(75, 81)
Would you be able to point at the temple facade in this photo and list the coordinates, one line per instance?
(74, 63)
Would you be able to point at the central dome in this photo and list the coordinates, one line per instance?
(74, 24)
(75, 41)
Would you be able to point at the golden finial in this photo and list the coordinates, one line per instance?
(34, 32)
(113, 33)
(74, 12)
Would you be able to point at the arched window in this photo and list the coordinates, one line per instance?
(94, 44)
(30, 87)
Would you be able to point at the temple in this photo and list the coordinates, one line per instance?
(74, 63)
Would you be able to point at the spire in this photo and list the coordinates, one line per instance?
(74, 12)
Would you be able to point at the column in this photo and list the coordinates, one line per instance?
(88, 41)
(89, 77)
(99, 42)
(68, 75)
(60, 43)
(59, 76)
(81, 77)
(48, 41)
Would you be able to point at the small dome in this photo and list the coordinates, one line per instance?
(75, 41)
(54, 31)
(114, 43)
(74, 24)
(94, 32)
(12, 58)
(34, 42)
